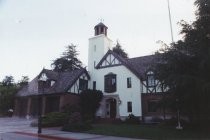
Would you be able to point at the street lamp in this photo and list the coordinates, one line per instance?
(42, 80)
(178, 116)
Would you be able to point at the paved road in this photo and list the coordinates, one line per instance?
(15, 124)
(14, 136)
(8, 127)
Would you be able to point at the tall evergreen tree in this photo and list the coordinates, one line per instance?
(185, 66)
(68, 61)
(118, 50)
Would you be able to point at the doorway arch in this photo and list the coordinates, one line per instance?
(111, 108)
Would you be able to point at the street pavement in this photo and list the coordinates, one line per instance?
(19, 129)
(15, 124)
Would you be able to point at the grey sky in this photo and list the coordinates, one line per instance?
(34, 32)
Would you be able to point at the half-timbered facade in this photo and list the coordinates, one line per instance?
(129, 85)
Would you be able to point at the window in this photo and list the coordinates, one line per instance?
(94, 64)
(94, 85)
(129, 82)
(150, 79)
(110, 83)
(152, 106)
(129, 106)
(83, 84)
(52, 83)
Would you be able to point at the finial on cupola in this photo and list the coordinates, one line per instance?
(100, 29)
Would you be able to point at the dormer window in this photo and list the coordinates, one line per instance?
(52, 82)
(110, 83)
(150, 79)
(43, 77)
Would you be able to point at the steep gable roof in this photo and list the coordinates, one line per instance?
(138, 65)
(63, 81)
(116, 56)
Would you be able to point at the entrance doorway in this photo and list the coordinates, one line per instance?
(111, 109)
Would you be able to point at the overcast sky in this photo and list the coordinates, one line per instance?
(34, 32)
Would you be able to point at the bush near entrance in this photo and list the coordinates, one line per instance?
(81, 119)
(89, 103)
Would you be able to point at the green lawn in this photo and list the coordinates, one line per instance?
(148, 131)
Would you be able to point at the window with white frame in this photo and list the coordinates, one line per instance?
(150, 79)
(110, 83)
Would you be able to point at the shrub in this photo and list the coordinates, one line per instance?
(132, 119)
(76, 124)
(90, 102)
(54, 119)
(77, 127)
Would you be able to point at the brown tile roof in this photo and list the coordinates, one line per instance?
(63, 81)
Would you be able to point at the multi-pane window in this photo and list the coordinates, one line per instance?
(110, 83)
(83, 84)
(129, 106)
(129, 82)
(150, 79)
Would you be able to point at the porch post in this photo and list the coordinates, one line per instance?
(43, 105)
(117, 106)
(28, 111)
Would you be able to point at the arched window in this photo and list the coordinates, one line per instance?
(150, 79)
(110, 83)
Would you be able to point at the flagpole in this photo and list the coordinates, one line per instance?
(169, 13)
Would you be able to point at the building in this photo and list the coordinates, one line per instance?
(129, 85)
(59, 90)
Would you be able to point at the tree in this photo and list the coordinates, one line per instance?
(184, 66)
(68, 61)
(8, 81)
(118, 50)
(7, 94)
(23, 81)
(89, 103)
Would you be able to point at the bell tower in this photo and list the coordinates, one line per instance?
(99, 44)
(100, 29)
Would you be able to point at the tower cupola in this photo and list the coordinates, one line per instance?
(100, 29)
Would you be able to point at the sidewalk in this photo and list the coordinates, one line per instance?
(61, 135)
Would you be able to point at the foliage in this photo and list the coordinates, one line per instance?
(118, 50)
(7, 94)
(77, 127)
(90, 102)
(68, 61)
(24, 81)
(132, 119)
(156, 132)
(75, 123)
(8, 81)
(184, 66)
(54, 119)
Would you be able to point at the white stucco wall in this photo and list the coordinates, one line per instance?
(125, 94)
(98, 46)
